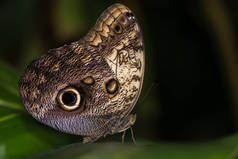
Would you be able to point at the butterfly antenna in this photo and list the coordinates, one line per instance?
(153, 85)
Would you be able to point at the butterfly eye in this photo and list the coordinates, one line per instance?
(112, 86)
(69, 99)
(117, 28)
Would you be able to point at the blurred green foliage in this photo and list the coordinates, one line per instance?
(191, 68)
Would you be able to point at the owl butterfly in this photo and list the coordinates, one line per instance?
(90, 86)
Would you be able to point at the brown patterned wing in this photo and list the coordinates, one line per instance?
(90, 86)
(118, 35)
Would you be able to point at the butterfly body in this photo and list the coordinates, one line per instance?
(89, 87)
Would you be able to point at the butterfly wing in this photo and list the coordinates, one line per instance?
(90, 86)
(119, 37)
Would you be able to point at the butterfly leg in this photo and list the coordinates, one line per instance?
(123, 137)
(123, 124)
(132, 136)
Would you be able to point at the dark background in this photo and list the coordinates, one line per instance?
(191, 79)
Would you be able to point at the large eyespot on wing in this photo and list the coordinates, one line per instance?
(69, 99)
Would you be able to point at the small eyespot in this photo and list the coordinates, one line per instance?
(89, 80)
(112, 86)
(130, 16)
(69, 99)
(117, 28)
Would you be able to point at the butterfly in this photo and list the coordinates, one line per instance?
(90, 86)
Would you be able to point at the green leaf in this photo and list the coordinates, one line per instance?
(9, 96)
(219, 149)
(22, 136)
